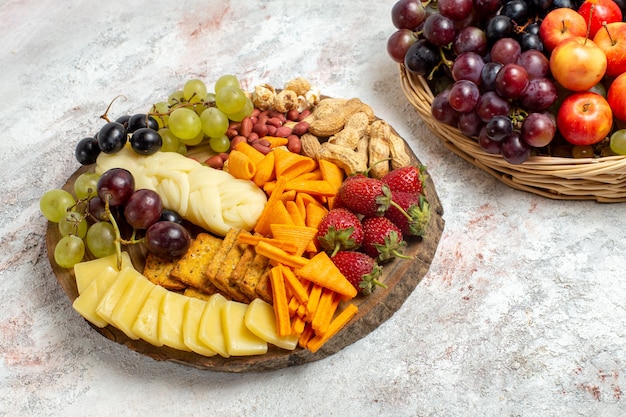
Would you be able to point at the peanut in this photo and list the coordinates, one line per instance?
(236, 140)
(397, 149)
(283, 131)
(350, 161)
(262, 146)
(260, 129)
(310, 145)
(294, 144)
(378, 149)
(246, 126)
(300, 128)
(335, 117)
(215, 161)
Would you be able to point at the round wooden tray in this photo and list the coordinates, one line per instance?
(401, 277)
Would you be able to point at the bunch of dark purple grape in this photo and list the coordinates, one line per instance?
(484, 61)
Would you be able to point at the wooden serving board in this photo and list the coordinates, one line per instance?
(401, 277)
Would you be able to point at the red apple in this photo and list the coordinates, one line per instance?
(597, 12)
(612, 40)
(578, 63)
(584, 118)
(560, 24)
(616, 95)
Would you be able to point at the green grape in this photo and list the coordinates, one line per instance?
(100, 239)
(194, 91)
(182, 149)
(210, 98)
(214, 122)
(73, 223)
(199, 108)
(160, 112)
(193, 141)
(224, 81)
(176, 98)
(230, 99)
(170, 142)
(220, 144)
(618, 142)
(55, 203)
(185, 123)
(245, 111)
(85, 186)
(69, 251)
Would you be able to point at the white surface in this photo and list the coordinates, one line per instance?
(521, 314)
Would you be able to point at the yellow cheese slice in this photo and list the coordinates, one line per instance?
(171, 317)
(86, 271)
(261, 320)
(146, 325)
(87, 302)
(127, 308)
(114, 294)
(238, 339)
(191, 325)
(210, 332)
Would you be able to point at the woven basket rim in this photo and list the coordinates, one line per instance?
(596, 178)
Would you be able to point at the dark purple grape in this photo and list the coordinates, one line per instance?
(146, 141)
(442, 111)
(499, 127)
(96, 208)
(422, 57)
(487, 7)
(171, 216)
(491, 104)
(87, 151)
(468, 66)
(116, 185)
(506, 51)
(455, 9)
(538, 130)
(123, 120)
(166, 238)
(488, 145)
(511, 81)
(535, 63)
(399, 43)
(470, 39)
(498, 27)
(570, 4)
(540, 94)
(514, 150)
(140, 120)
(530, 41)
(533, 28)
(541, 5)
(439, 30)
(469, 123)
(407, 14)
(488, 75)
(464, 96)
(518, 10)
(112, 137)
(143, 209)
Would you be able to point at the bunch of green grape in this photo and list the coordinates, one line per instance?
(69, 211)
(194, 115)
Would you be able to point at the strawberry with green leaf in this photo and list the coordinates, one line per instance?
(417, 208)
(382, 239)
(361, 270)
(340, 229)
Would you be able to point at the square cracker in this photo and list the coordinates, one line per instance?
(158, 270)
(191, 266)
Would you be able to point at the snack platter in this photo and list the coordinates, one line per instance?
(400, 276)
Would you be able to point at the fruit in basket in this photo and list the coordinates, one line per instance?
(615, 97)
(560, 24)
(598, 13)
(584, 118)
(578, 63)
(612, 40)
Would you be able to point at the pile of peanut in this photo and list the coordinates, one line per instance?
(343, 131)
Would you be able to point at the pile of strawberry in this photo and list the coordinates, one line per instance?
(371, 221)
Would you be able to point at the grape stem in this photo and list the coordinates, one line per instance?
(105, 116)
(116, 229)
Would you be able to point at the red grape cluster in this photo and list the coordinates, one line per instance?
(485, 63)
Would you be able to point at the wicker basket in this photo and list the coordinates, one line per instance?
(601, 179)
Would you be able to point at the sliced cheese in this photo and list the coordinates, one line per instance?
(146, 325)
(114, 294)
(261, 320)
(127, 308)
(210, 332)
(171, 317)
(87, 302)
(191, 325)
(86, 271)
(239, 340)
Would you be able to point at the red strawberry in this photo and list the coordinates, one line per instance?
(365, 195)
(382, 239)
(340, 229)
(360, 269)
(415, 214)
(407, 179)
